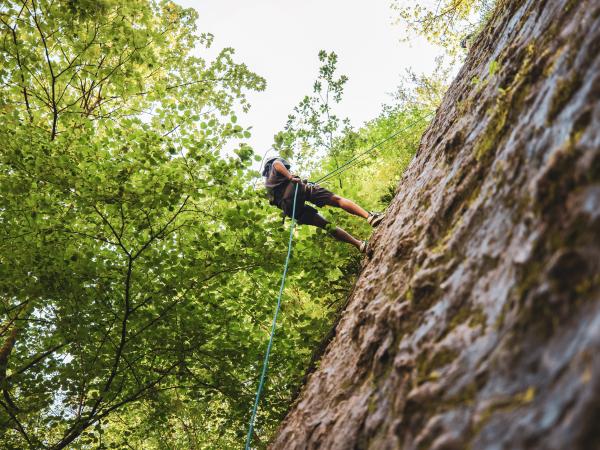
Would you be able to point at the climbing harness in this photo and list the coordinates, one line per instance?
(351, 162)
(277, 308)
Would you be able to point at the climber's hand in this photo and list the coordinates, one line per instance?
(295, 179)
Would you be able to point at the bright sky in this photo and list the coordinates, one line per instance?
(280, 40)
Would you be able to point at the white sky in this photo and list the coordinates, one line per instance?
(280, 40)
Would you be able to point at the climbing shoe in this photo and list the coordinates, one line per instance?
(364, 246)
(375, 219)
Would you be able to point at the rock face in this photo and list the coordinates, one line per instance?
(476, 324)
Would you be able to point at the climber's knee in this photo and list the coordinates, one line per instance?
(335, 200)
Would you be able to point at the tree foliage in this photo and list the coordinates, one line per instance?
(114, 197)
(443, 22)
(313, 125)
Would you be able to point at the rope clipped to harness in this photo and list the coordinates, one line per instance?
(277, 308)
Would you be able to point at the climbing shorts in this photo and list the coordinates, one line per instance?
(306, 192)
(318, 196)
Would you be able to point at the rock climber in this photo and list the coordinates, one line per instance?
(280, 184)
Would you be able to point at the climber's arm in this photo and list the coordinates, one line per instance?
(279, 167)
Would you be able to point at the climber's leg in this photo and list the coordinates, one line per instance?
(374, 219)
(338, 233)
(321, 197)
(348, 206)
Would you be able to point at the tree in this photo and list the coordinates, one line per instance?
(443, 22)
(312, 127)
(113, 195)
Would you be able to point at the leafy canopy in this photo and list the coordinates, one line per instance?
(447, 23)
(114, 198)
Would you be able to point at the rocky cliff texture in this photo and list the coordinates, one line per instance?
(476, 324)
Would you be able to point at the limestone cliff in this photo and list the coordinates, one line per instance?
(476, 324)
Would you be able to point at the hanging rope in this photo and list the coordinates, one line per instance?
(353, 161)
(266, 360)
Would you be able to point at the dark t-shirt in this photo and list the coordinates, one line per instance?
(274, 180)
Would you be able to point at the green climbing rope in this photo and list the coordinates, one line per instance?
(353, 161)
(266, 360)
(333, 173)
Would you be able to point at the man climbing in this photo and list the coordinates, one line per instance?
(280, 184)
